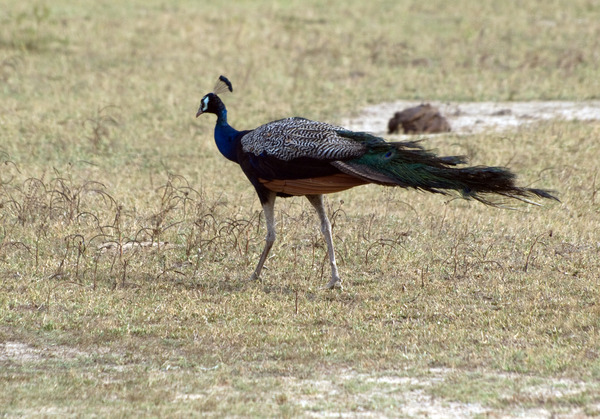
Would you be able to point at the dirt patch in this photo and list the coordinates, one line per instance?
(347, 393)
(475, 117)
(18, 353)
(368, 395)
(23, 353)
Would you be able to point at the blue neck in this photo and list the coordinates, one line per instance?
(226, 136)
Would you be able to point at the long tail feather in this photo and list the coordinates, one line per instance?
(408, 164)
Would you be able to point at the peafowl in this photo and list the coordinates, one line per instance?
(297, 156)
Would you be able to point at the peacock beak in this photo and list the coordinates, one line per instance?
(199, 113)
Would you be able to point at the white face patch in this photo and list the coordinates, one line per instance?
(204, 103)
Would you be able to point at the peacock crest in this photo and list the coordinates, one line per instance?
(223, 85)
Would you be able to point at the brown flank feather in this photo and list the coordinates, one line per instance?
(315, 185)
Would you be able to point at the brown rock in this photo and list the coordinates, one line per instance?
(418, 120)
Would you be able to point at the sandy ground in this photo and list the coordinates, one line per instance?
(475, 117)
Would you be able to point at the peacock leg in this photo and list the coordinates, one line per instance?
(269, 210)
(317, 202)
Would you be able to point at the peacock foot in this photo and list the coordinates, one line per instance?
(253, 277)
(334, 283)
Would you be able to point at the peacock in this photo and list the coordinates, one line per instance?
(297, 156)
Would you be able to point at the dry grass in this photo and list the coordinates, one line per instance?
(122, 243)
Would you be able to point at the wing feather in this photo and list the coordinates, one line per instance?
(294, 138)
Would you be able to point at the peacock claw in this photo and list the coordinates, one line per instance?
(333, 283)
(253, 277)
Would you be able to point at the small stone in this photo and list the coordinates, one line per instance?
(419, 120)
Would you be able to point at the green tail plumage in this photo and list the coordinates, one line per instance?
(407, 164)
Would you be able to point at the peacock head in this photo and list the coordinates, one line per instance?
(211, 103)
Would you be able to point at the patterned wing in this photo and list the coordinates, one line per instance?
(293, 138)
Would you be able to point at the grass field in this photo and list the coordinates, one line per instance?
(125, 235)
